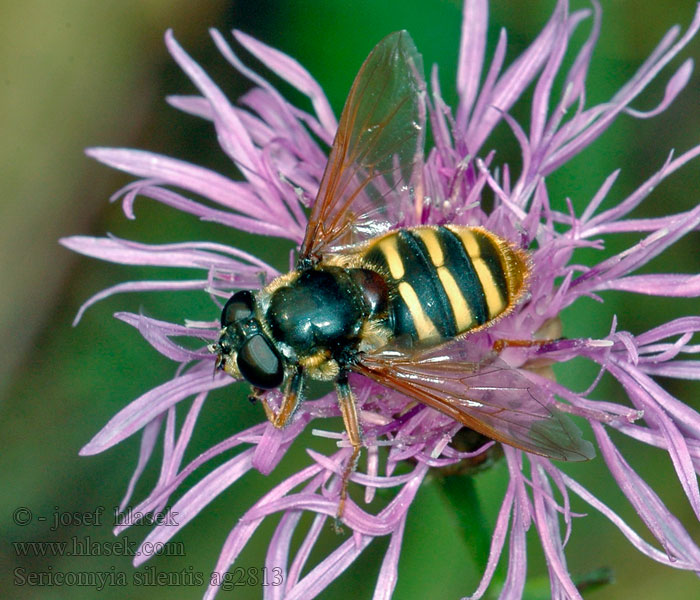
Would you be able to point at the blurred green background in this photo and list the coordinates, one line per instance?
(81, 73)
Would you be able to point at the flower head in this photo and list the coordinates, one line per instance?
(281, 151)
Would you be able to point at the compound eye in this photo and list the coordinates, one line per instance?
(260, 363)
(238, 307)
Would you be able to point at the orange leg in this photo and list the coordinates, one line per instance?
(348, 408)
(500, 345)
(550, 331)
(292, 396)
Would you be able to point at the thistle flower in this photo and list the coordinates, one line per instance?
(276, 147)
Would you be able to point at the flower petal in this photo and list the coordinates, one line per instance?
(150, 405)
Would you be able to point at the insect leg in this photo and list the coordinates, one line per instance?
(348, 408)
(293, 392)
(502, 344)
(550, 331)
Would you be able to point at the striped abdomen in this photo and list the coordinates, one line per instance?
(445, 281)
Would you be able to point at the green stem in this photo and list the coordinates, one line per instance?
(460, 493)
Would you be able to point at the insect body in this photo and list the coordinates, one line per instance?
(445, 281)
(411, 288)
(376, 293)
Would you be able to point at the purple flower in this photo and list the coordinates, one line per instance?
(276, 148)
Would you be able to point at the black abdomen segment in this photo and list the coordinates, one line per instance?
(446, 280)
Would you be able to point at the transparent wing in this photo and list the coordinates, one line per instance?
(493, 399)
(372, 178)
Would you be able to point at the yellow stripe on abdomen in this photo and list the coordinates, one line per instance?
(389, 248)
(462, 313)
(468, 240)
(425, 328)
(494, 301)
(432, 244)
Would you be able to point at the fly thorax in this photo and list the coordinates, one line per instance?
(321, 309)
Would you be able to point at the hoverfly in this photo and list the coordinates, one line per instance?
(375, 293)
